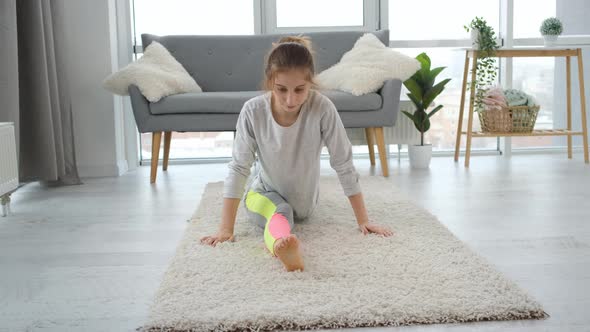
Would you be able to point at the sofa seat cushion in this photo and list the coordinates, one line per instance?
(232, 102)
(204, 102)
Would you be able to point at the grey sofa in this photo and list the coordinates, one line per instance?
(229, 69)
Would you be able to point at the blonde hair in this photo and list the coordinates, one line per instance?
(292, 52)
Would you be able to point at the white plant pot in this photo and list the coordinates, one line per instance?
(420, 155)
(550, 40)
(475, 38)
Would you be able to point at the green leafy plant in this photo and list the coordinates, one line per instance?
(551, 26)
(423, 91)
(486, 69)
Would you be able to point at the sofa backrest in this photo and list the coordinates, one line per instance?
(236, 63)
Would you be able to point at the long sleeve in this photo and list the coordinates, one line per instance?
(340, 149)
(243, 155)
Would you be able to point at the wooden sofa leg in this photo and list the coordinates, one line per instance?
(167, 139)
(370, 134)
(156, 139)
(382, 153)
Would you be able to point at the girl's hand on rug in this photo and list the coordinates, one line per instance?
(369, 227)
(213, 240)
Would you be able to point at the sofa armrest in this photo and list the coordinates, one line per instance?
(141, 107)
(390, 92)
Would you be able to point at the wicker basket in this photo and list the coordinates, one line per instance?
(514, 119)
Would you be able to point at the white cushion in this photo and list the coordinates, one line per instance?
(366, 67)
(157, 74)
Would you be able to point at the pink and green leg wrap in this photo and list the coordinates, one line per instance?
(276, 224)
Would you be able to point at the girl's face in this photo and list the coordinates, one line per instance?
(290, 89)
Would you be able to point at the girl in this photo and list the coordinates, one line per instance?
(285, 129)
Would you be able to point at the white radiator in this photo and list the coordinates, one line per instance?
(8, 165)
(403, 132)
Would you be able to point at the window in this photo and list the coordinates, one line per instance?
(443, 125)
(407, 33)
(203, 17)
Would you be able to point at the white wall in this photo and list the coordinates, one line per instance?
(93, 49)
(573, 14)
(121, 40)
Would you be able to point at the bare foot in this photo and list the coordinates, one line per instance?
(287, 250)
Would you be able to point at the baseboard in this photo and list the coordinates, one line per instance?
(122, 167)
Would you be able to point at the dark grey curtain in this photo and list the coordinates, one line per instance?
(37, 94)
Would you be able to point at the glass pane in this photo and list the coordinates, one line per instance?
(526, 21)
(192, 145)
(536, 76)
(443, 128)
(435, 19)
(220, 17)
(203, 17)
(545, 79)
(310, 13)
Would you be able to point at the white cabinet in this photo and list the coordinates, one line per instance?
(8, 165)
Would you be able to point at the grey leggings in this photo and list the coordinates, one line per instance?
(272, 214)
(258, 208)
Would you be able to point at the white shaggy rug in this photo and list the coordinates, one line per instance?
(423, 274)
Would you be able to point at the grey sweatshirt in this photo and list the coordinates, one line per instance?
(289, 157)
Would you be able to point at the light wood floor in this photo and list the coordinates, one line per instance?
(90, 257)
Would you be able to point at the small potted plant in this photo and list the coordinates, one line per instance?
(485, 69)
(483, 36)
(422, 92)
(551, 28)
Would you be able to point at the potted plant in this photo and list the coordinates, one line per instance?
(422, 92)
(551, 28)
(483, 36)
(473, 27)
(485, 69)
